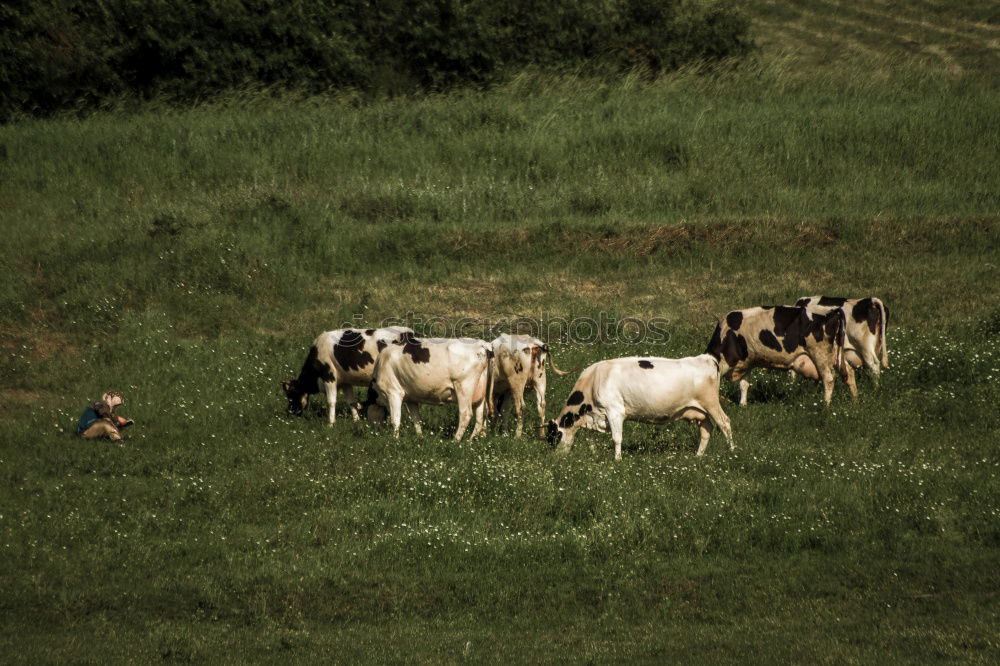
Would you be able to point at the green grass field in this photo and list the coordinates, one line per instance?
(189, 257)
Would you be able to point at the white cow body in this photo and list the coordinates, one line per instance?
(431, 371)
(645, 389)
(518, 365)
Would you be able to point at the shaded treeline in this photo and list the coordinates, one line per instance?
(79, 54)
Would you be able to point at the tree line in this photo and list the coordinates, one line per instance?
(81, 54)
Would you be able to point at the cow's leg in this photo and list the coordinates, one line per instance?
(722, 421)
(847, 374)
(616, 423)
(480, 423)
(395, 401)
(876, 371)
(464, 411)
(517, 392)
(414, 410)
(827, 376)
(739, 375)
(330, 388)
(852, 357)
(540, 404)
(350, 397)
(505, 402)
(704, 433)
(871, 361)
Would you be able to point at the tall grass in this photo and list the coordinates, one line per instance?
(542, 177)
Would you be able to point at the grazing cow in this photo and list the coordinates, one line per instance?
(782, 337)
(431, 371)
(519, 364)
(340, 359)
(650, 390)
(866, 322)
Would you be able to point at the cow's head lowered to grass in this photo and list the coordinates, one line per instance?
(298, 390)
(561, 433)
(298, 398)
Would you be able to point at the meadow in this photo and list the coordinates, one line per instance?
(189, 256)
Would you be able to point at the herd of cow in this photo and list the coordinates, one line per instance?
(816, 338)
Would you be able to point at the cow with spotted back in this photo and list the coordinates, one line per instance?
(431, 371)
(339, 360)
(519, 364)
(866, 323)
(782, 337)
(645, 389)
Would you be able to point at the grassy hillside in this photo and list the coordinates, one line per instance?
(188, 257)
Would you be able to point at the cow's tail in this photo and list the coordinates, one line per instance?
(491, 370)
(840, 335)
(883, 318)
(552, 363)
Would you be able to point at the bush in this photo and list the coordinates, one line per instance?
(66, 54)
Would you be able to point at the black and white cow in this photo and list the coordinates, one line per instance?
(646, 389)
(431, 371)
(339, 359)
(519, 364)
(782, 337)
(866, 323)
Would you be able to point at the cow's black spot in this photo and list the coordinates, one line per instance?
(767, 337)
(585, 408)
(734, 348)
(567, 420)
(866, 310)
(370, 332)
(832, 301)
(787, 317)
(816, 327)
(312, 370)
(734, 320)
(791, 324)
(715, 344)
(350, 352)
(793, 341)
(836, 327)
(416, 350)
(325, 372)
(803, 302)
(575, 398)
(645, 364)
(767, 307)
(860, 309)
(552, 433)
(380, 344)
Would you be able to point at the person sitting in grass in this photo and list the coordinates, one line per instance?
(99, 419)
